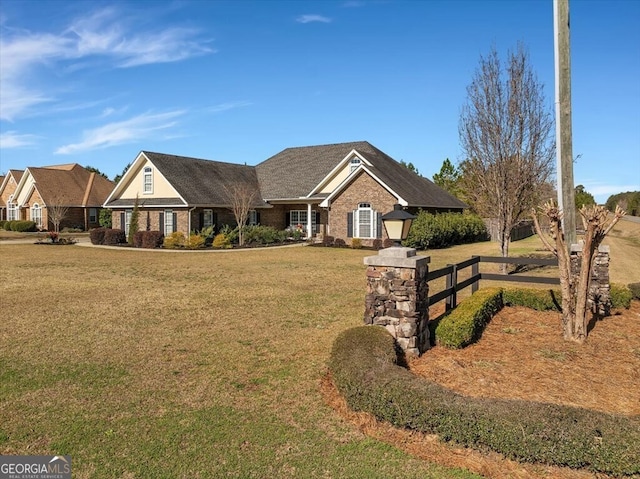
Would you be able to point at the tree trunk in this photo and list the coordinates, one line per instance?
(504, 249)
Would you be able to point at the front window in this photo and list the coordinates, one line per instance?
(298, 220)
(148, 180)
(253, 218)
(12, 210)
(93, 215)
(353, 164)
(363, 221)
(168, 222)
(36, 214)
(127, 221)
(207, 218)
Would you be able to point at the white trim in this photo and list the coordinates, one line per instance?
(339, 167)
(327, 201)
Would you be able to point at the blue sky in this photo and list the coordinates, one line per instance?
(97, 82)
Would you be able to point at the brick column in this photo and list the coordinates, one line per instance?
(396, 297)
(599, 301)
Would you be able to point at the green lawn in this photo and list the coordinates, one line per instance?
(168, 364)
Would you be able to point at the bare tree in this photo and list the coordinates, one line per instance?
(506, 131)
(242, 198)
(57, 210)
(575, 288)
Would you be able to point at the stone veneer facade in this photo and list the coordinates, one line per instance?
(396, 297)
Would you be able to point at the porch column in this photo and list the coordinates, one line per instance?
(309, 222)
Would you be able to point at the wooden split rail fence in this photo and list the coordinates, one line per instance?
(453, 286)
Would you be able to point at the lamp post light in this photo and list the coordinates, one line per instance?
(397, 224)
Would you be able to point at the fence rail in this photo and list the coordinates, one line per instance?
(450, 293)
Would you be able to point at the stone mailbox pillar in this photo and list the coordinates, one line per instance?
(396, 297)
(599, 300)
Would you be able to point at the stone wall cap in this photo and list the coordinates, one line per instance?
(397, 262)
(577, 247)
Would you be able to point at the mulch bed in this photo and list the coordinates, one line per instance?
(522, 355)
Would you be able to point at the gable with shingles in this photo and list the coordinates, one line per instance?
(297, 172)
(67, 185)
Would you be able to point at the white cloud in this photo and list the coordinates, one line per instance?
(228, 106)
(313, 18)
(12, 139)
(138, 128)
(105, 34)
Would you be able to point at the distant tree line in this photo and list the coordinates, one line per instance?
(629, 201)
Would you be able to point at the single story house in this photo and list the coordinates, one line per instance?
(338, 190)
(69, 195)
(7, 192)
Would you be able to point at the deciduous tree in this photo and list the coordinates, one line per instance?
(57, 209)
(506, 130)
(242, 198)
(575, 287)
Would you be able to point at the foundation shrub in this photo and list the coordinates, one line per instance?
(621, 296)
(262, 235)
(96, 235)
(195, 242)
(221, 241)
(3, 223)
(137, 238)
(464, 324)
(152, 239)
(364, 363)
(174, 240)
(356, 243)
(22, 226)
(114, 236)
(538, 299)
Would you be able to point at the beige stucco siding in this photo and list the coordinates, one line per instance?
(135, 186)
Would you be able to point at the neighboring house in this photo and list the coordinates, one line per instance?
(8, 185)
(338, 190)
(69, 193)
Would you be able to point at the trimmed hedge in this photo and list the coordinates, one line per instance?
(635, 290)
(464, 324)
(445, 229)
(538, 299)
(96, 235)
(20, 226)
(114, 236)
(364, 363)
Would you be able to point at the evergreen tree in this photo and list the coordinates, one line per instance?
(133, 224)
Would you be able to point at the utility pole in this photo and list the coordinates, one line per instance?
(564, 172)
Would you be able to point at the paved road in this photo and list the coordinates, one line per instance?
(633, 219)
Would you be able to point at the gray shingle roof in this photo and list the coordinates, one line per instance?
(294, 172)
(202, 182)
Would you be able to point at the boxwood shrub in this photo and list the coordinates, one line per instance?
(464, 324)
(538, 299)
(364, 364)
(635, 290)
(621, 296)
(20, 226)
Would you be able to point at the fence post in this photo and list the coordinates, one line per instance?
(475, 269)
(452, 281)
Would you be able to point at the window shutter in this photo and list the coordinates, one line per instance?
(286, 219)
(378, 225)
(201, 219)
(122, 220)
(317, 217)
(215, 218)
(161, 223)
(257, 217)
(350, 224)
(175, 222)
